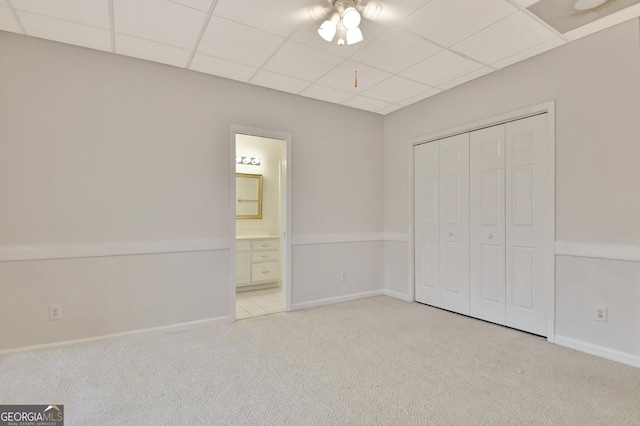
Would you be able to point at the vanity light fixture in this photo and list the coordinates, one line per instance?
(248, 161)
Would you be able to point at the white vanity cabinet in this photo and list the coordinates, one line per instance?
(257, 261)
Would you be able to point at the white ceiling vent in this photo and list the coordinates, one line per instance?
(567, 15)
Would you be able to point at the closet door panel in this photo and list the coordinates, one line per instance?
(487, 224)
(527, 220)
(427, 224)
(454, 223)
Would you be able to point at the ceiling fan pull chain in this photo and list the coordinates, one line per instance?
(355, 71)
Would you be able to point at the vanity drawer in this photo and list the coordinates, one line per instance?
(265, 272)
(243, 245)
(265, 256)
(265, 245)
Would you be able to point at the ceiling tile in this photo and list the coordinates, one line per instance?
(325, 93)
(280, 82)
(65, 31)
(441, 68)
(448, 22)
(367, 104)
(420, 96)
(160, 21)
(342, 77)
(151, 51)
(280, 17)
(390, 109)
(395, 89)
(295, 60)
(525, 54)
(94, 13)
(526, 3)
(238, 43)
(8, 21)
(396, 10)
(467, 77)
(222, 67)
(396, 50)
(508, 37)
(203, 5)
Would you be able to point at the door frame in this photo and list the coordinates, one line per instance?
(285, 211)
(545, 107)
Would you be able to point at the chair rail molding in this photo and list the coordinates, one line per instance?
(598, 251)
(105, 249)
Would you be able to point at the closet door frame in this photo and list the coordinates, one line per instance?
(546, 107)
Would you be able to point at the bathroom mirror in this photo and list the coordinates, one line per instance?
(248, 196)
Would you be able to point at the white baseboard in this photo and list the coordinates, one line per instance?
(338, 299)
(601, 351)
(172, 328)
(397, 295)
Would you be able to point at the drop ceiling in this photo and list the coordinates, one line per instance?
(415, 48)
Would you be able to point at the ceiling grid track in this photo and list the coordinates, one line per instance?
(17, 18)
(202, 31)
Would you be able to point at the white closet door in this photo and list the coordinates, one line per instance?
(454, 223)
(487, 224)
(427, 225)
(527, 222)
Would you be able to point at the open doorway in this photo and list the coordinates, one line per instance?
(261, 212)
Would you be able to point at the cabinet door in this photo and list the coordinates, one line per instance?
(487, 224)
(426, 222)
(527, 224)
(454, 223)
(243, 268)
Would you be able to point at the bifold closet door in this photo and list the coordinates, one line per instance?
(427, 224)
(487, 224)
(454, 223)
(528, 219)
(442, 223)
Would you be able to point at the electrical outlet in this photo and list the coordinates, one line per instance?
(343, 275)
(55, 312)
(601, 313)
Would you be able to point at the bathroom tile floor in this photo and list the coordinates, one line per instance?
(254, 303)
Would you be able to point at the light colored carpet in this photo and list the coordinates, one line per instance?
(371, 361)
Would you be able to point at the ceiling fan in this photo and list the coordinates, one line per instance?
(343, 17)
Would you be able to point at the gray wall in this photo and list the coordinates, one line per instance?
(101, 153)
(595, 83)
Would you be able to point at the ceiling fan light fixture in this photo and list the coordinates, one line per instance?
(354, 36)
(351, 18)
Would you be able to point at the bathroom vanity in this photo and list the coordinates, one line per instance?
(257, 261)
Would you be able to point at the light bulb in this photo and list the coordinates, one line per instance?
(327, 30)
(372, 10)
(351, 18)
(354, 36)
(238, 159)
